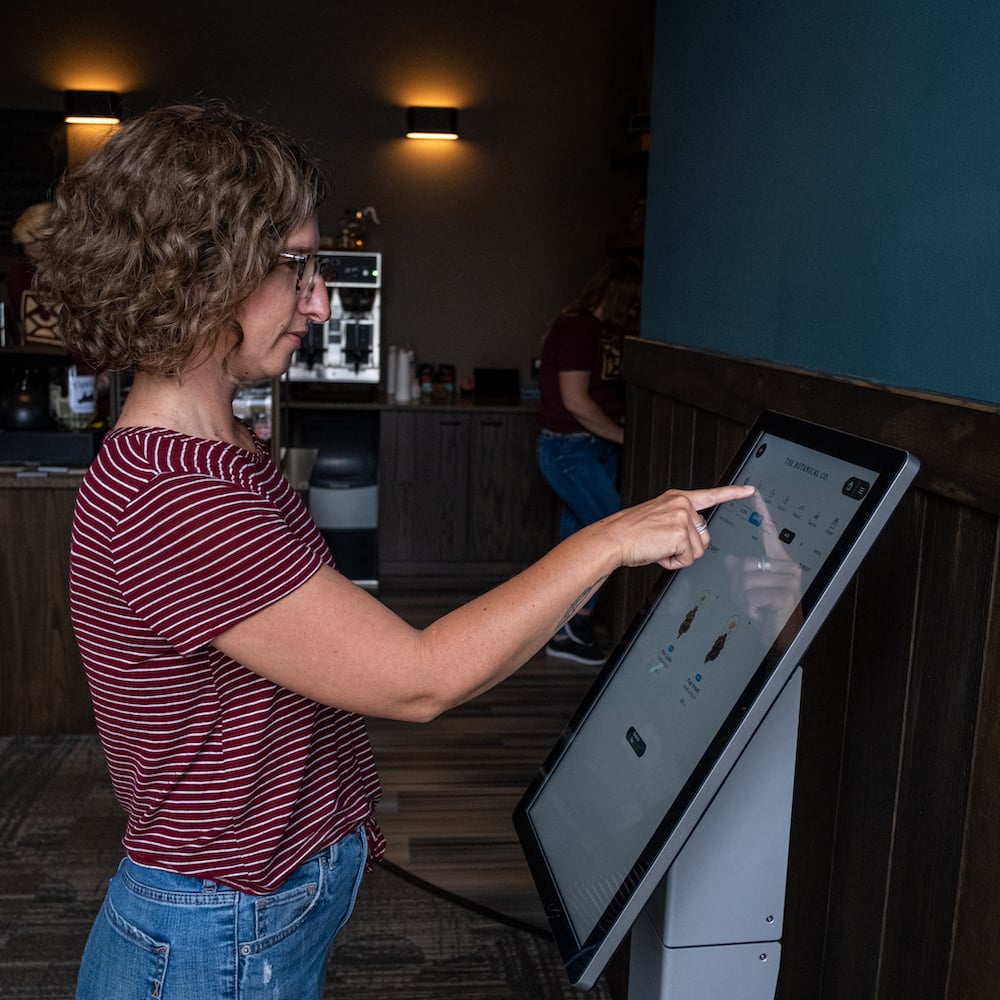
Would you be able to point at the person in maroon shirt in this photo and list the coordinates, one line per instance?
(582, 419)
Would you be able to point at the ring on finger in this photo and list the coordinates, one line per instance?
(702, 527)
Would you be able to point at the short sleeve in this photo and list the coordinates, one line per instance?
(577, 343)
(195, 555)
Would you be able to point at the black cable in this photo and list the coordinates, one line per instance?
(468, 904)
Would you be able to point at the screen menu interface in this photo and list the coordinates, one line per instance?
(687, 668)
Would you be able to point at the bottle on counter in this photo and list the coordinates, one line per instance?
(425, 382)
(445, 379)
(82, 392)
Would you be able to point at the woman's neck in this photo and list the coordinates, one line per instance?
(195, 403)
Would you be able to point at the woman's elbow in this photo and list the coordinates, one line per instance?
(418, 707)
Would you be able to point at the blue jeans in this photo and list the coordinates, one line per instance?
(174, 937)
(583, 471)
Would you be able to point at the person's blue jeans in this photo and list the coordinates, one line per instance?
(583, 471)
(174, 937)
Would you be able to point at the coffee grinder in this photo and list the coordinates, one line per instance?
(346, 347)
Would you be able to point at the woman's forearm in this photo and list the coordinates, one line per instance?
(334, 643)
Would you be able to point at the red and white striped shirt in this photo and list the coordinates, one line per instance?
(223, 774)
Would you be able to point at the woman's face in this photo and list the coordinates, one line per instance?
(275, 315)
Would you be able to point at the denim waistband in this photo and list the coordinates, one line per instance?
(545, 432)
(170, 881)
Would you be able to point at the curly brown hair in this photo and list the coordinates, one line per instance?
(157, 239)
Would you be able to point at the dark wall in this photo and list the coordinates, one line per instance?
(484, 240)
(824, 187)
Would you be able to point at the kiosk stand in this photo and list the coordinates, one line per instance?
(665, 807)
(713, 926)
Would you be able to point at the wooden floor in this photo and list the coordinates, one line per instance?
(451, 785)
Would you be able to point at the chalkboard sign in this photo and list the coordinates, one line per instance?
(32, 158)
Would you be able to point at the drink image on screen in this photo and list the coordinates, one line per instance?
(664, 723)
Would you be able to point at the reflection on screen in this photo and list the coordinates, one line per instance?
(686, 669)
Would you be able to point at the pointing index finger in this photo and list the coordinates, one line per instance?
(712, 497)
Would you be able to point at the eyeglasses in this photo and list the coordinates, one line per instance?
(302, 259)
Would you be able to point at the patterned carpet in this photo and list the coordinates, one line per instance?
(59, 842)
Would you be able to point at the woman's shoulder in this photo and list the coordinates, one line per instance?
(571, 329)
(159, 452)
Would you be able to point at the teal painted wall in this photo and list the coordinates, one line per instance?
(824, 187)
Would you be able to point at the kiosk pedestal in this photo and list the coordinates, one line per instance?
(713, 926)
(664, 809)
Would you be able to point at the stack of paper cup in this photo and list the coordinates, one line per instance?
(404, 360)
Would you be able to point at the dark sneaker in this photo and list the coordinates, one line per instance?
(567, 648)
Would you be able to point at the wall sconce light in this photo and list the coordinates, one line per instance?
(92, 107)
(431, 123)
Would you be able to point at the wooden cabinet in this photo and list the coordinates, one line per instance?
(461, 500)
(423, 472)
(512, 510)
(43, 688)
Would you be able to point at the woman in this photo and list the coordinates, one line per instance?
(229, 663)
(582, 413)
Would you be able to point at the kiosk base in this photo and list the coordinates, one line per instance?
(713, 926)
(729, 971)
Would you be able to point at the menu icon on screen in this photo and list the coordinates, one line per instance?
(635, 741)
(856, 489)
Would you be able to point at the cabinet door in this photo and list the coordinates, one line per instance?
(423, 486)
(43, 689)
(511, 508)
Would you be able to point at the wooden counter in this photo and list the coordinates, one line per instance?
(42, 684)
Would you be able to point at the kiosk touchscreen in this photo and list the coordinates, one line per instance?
(690, 683)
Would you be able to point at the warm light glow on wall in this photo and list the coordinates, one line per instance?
(84, 61)
(82, 141)
(417, 82)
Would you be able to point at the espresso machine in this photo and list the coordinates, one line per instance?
(338, 362)
(346, 347)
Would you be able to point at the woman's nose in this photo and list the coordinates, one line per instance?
(316, 304)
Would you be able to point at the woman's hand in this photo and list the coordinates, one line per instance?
(668, 530)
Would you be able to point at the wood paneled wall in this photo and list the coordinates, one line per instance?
(895, 865)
